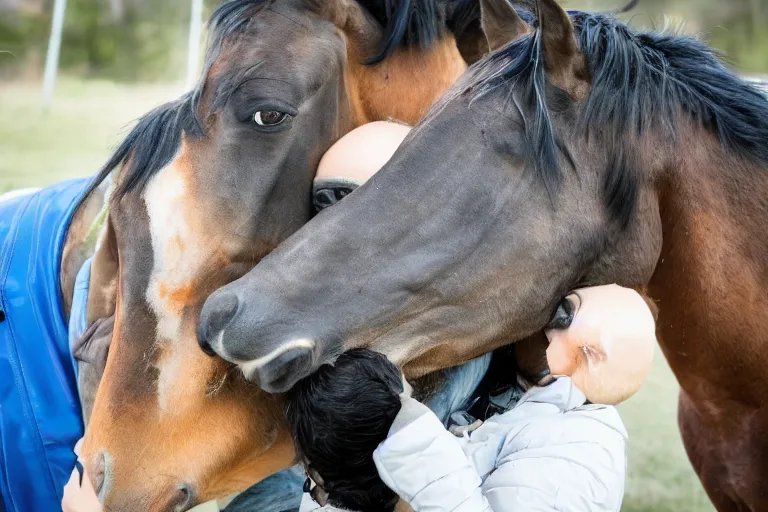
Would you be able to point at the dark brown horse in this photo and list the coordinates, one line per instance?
(582, 153)
(206, 186)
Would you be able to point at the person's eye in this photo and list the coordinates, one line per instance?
(269, 118)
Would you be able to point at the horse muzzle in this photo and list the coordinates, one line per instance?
(275, 368)
(178, 497)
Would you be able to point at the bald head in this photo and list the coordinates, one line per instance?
(354, 159)
(608, 348)
(362, 152)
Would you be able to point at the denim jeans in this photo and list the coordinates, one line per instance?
(281, 492)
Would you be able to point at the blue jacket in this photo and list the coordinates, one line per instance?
(40, 417)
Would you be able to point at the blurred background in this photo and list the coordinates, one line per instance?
(120, 58)
(144, 40)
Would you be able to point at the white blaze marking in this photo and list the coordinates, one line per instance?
(178, 254)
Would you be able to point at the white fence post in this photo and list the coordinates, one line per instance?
(54, 48)
(195, 32)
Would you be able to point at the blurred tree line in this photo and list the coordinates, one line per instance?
(738, 28)
(131, 40)
(143, 40)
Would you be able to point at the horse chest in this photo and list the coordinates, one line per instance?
(727, 447)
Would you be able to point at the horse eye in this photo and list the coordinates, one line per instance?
(269, 117)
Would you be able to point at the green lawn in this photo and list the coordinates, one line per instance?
(660, 476)
(87, 120)
(74, 138)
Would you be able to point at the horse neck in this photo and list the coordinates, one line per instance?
(404, 85)
(711, 279)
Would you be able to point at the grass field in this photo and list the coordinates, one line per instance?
(89, 118)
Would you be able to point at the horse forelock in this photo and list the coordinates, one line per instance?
(640, 83)
(406, 23)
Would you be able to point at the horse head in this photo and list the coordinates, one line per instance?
(207, 185)
(497, 204)
(581, 153)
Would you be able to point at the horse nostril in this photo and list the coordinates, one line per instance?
(217, 313)
(187, 497)
(205, 347)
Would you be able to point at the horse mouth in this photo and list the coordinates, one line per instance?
(280, 370)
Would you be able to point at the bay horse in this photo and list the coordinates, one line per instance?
(197, 193)
(581, 153)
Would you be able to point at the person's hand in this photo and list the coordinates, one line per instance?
(77, 497)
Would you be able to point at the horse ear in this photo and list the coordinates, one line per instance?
(102, 289)
(501, 23)
(563, 60)
(363, 32)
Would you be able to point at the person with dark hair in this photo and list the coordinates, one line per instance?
(338, 417)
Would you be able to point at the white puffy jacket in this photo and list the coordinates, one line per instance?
(551, 452)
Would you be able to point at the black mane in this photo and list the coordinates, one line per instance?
(640, 82)
(154, 141)
(406, 22)
(419, 22)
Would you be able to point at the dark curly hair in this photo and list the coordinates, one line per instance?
(338, 416)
